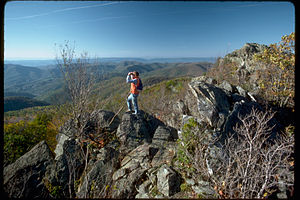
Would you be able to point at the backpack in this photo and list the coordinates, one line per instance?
(140, 85)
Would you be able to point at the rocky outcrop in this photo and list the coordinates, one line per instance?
(24, 178)
(138, 174)
(138, 162)
(244, 56)
(123, 168)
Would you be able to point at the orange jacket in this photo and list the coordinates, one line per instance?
(133, 87)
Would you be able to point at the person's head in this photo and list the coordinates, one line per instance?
(135, 73)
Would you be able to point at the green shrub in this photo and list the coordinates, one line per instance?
(20, 137)
(187, 145)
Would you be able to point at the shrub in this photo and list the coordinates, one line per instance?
(277, 76)
(257, 163)
(224, 69)
(251, 163)
(20, 137)
(193, 140)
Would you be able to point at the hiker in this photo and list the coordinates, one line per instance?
(133, 78)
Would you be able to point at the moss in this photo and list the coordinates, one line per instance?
(54, 190)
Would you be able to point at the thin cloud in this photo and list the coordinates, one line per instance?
(60, 10)
(87, 21)
(100, 19)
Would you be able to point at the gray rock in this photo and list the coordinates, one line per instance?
(68, 166)
(61, 138)
(143, 190)
(61, 175)
(126, 187)
(142, 196)
(140, 156)
(163, 145)
(204, 191)
(240, 108)
(226, 86)
(244, 56)
(190, 181)
(66, 132)
(23, 178)
(97, 119)
(164, 134)
(120, 173)
(68, 129)
(210, 101)
(102, 118)
(96, 181)
(164, 155)
(206, 79)
(132, 172)
(168, 181)
(241, 91)
(99, 176)
(132, 132)
(180, 107)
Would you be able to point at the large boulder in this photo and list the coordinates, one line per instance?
(68, 167)
(133, 131)
(24, 178)
(207, 102)
(103, 119)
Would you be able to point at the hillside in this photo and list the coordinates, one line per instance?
(18, 103)
(18, 74)
(47, 85)
(154, 156)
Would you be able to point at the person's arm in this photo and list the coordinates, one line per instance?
(129, 80)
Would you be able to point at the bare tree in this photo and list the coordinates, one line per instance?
(250, 164)
(80, 77)
(256, 162)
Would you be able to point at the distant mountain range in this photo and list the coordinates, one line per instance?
(46, 84)
(40, 63)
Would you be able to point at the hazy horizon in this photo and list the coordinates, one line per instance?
(44, 62)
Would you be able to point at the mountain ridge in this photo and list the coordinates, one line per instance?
(47, 62)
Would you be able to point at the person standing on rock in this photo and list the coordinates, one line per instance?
(134, 80)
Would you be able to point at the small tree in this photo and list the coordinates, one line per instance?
(79, 75)
(79, 79)
(277, 76)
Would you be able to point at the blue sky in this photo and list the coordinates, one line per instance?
(147, 29)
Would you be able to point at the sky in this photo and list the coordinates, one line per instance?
(145, 29)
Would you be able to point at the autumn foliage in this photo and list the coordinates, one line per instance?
(277, 76)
